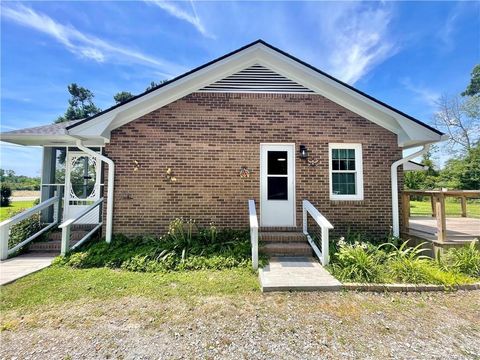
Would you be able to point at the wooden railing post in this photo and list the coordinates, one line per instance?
(441, 221)
(405, 211)
(463, 200)
(432, 202)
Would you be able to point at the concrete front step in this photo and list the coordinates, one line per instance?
(286, 249)
(296, 274)
(282, 236)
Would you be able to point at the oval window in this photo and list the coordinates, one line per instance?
(83, 177)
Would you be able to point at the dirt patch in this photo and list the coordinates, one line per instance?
(346, 325)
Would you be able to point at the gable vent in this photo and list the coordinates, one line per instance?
(257, 79)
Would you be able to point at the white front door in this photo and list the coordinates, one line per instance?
(82, 186)
(277, 184)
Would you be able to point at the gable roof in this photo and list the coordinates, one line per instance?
(410, 131)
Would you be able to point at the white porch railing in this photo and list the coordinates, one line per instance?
(325, 226)
(252, 214)
(6, 226)
(66, 227)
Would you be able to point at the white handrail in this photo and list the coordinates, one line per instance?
(7, 224)
(23, 215)
(252, 214)
(66, 228)
(325, 226)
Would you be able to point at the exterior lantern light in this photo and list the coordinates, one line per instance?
(303, 152)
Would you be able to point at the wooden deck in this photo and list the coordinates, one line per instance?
(459, 230)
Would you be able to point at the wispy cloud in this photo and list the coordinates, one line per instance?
(82, 44)
(428, 96)
(447, 32)
(359, 39)
(182, 14)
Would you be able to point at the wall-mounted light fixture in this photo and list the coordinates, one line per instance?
(303, 152)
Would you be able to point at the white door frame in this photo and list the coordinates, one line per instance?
(71, 210)
(290, 148)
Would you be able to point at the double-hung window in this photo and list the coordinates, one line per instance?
(346, 171)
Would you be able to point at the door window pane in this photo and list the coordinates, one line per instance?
(277, 188)
(277, 163)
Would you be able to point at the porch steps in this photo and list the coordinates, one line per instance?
(284, 242)
(53, 242)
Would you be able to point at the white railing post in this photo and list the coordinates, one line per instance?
(325, 246)
(324, 224)
(65, 240)
(254, 236)
(4, 237)
(305, 221)
(252, 213)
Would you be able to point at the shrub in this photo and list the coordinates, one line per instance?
(184, 247)
(389, 262)
(359, 262)
(465, 260)
(23, 229)
(5, 193)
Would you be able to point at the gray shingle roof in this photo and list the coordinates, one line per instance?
(52, 129)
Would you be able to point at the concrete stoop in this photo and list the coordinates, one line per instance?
(296, 273)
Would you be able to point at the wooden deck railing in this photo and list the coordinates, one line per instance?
(437, 200)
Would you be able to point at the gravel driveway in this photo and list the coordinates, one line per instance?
(252, 326)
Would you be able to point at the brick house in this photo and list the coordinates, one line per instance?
(256, 124)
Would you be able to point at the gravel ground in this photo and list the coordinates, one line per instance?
(254, 326)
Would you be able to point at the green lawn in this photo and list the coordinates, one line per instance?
(14, 206)
(422, 208)
(56, 285)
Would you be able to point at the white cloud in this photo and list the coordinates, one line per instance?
(82, 44)
(358, 39)
(426, 95)
(176, 11)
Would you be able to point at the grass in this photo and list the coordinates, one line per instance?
(453, 208)
(14, 206)
(57, 285)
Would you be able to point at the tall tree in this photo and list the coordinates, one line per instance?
(80, 104)
(122, 96)
(460, 119)
(473, 88)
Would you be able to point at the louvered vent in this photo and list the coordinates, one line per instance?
(256, 78)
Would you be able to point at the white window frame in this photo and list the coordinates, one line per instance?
(358, 171)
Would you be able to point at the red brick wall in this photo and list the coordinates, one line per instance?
(206, 138)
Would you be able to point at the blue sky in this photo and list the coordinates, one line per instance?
(404, 53)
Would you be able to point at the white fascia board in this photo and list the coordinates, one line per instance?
(48, 140)
(93, 128)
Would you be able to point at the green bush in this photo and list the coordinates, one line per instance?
(358, 262)
(5, 193)
(23, 229)
(362, 261)
(465, 260)
(184, 247)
